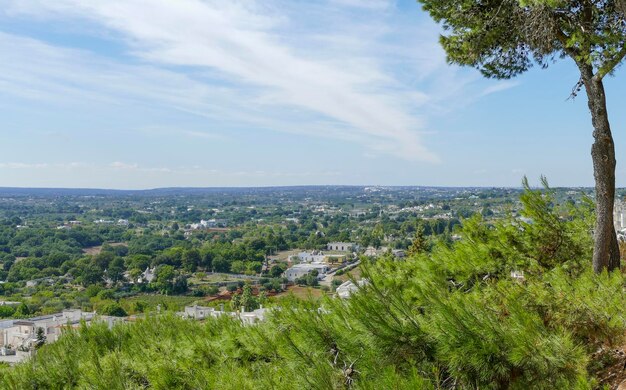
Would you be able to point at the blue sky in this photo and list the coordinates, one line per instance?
(155, 93)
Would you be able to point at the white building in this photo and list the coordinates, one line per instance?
(371, 252)
(202, 312)
(357, 212)
(207, 224)
(22, 333)
(35, 282)
(348, 288)
(17, 337)
(619, 215)
(252, 317)
(342, 246)
(311, 257)
(104, 221)
(300, 270)
(147, 276)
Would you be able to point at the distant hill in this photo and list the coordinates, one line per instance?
(168, 191)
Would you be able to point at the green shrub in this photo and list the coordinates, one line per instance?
(452, 318)
(114, 309)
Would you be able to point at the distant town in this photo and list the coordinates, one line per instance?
(71, 257)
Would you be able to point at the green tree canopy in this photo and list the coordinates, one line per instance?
(503, 38)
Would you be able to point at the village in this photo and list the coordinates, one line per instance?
(20, 338)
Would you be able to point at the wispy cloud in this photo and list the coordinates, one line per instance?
(499, 87)
(250, 62)
(202, 134)
(17, 165)
(122, 165)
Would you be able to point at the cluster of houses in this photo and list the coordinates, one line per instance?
(70, 224)
(375, 252)
(306, 262)
(317, 257)
(299, 270)
(18, 337)
(208, 224)
(202, 312)
(120, 222)
(146, 276)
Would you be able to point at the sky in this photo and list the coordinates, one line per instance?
(136, 94)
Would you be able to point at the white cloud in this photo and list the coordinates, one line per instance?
(122, 165)
(499, 87)
(248, 62)
(17, 165)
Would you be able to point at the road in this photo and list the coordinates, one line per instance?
(329, 276)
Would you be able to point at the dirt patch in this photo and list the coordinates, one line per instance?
(614, 371)
(302, 292)
(284, 255)
(95, 250)
(222, 296)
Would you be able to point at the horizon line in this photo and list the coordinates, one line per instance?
(4, 188)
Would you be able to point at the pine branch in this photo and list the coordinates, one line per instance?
(610, 65)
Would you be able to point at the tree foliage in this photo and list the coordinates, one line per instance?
(503, 38)
(453, 318)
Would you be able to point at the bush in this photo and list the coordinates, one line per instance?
(114, 309)
(204, 291)
(450, 318)
(105, 294)
(6, 311)
(139, 306)
(93, 290)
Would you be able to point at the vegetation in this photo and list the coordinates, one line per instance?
(454, 317)
(78, 249)
(504, 38)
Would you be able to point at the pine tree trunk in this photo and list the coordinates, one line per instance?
(606, 249)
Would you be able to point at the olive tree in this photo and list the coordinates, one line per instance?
(503, 38)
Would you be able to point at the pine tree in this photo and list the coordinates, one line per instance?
(420, 243)
(503, 39)
(40, 339)
(248, 302)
